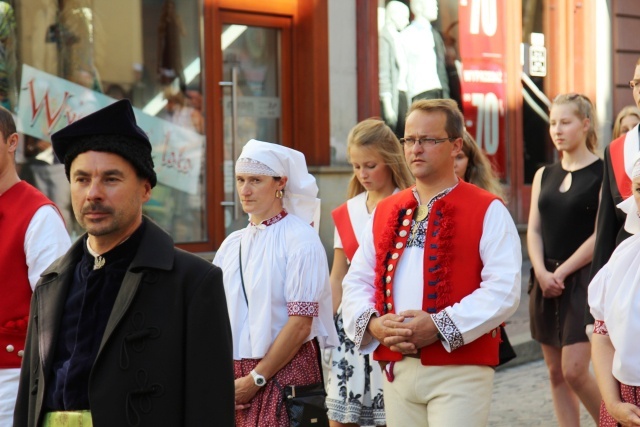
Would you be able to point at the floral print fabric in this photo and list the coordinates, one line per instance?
(354, 384)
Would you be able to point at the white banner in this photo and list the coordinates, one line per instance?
(48, 103)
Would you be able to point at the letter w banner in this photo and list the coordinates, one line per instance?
(484, 78)
(48, 103)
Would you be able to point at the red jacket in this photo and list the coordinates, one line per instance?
(17, 206)
(452, 264)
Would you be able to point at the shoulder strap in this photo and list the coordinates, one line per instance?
(342, 220)
(623, 182)
(241, 276)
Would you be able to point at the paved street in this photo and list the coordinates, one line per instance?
(522, 398)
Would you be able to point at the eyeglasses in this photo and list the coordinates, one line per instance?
(633, 83)
(410, 142)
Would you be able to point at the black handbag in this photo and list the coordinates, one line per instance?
(505, 350)
(305, 405)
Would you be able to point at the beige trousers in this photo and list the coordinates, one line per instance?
(438, 396)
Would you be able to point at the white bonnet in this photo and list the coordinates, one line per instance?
(301, 190)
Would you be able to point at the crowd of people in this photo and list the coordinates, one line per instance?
(121, 328)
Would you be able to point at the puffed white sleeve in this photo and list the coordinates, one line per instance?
(45, 241)
(358, 293)
(498, 296)
(337, 241)
(307, 278)
(597, 292)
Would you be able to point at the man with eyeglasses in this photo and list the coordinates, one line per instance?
(616, 187)
(437, 271)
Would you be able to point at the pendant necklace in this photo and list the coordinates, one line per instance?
(98, 262)
(421, 214)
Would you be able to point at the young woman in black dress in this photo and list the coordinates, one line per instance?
(561, 239)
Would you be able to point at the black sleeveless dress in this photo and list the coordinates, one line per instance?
(567, 220)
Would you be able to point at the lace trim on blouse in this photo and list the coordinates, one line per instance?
(600, 328)
(306, 309)
(418, 238)
(267, 222)
(361, 325)
(448, 329)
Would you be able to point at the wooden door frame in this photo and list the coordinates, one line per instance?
(307, 87)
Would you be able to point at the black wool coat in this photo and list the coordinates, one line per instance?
(166, 355)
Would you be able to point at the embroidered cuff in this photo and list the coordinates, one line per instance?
(600, 328)
(449, 330)
(361, 326)
(307, 309)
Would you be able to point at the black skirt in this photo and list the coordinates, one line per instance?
(559, 321)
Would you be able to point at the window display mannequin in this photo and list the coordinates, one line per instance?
(38, 42)
(393, 66)
(425, 50)
(78, 44)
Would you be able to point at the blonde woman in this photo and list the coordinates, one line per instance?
(354, 389)
(626, 120)
(561, 238)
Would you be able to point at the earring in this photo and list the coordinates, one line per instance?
(279, 194)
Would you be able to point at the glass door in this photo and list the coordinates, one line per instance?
(255, 102)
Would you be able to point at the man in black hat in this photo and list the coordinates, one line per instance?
(125, 329)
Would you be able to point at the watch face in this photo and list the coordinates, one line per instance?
(260, 381)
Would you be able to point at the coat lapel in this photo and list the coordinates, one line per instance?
(155, 252)
(51, 294)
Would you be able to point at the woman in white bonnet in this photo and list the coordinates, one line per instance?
(614, 298)
(276, 281)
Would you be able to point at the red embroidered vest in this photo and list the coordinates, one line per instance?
(623, 182)
(452, 264)
(342, 220)
(17, 206)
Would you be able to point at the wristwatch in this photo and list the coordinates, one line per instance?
(258, 379)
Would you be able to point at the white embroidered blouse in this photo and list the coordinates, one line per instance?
(286, 273)
(614, 298)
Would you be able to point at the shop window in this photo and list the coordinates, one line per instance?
(538, 149)
(447, 49)
(63, 59)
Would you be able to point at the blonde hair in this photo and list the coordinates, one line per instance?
(479, 171)
(375, 134)
(629, 110)
(584, 110)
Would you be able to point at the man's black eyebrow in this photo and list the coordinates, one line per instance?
(109, 172)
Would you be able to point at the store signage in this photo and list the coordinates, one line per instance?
(48, 103)
(537, 56)
(483, 80)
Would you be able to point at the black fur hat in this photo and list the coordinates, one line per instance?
(112, 129)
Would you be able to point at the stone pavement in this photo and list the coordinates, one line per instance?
(522, 398)
(517, 326)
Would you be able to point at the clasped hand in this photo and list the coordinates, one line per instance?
(627, 414)
(551, 284)
(406, 332)
(245, 390)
